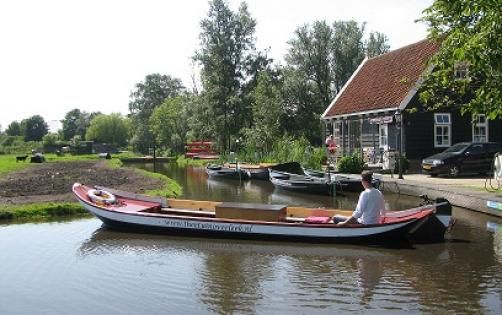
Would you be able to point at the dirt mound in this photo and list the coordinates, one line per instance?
(53, 181)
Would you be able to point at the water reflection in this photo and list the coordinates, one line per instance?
(464, 274)
(236, 275)
(197, 185)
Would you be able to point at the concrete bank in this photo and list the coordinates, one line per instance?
(463, 192)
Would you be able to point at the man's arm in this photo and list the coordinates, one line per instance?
(350, 220)
(361, 204)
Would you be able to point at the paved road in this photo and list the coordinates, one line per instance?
(475, 182)
(466, 191)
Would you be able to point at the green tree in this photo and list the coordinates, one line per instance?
(13, 129)
(470, 32)
(199, 118)
(75, 123)
(34, 128)
(266, 113)
(310, 53)
(376, 44)
(144, 99)
(320, 60)
(348, 50)
(50, 139)
(111, 128)
(169, 125)
(308, 79)
(227, 41)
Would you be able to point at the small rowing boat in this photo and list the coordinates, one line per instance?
(256, 171)
(218, 171)
(293, 177)
(134, 212)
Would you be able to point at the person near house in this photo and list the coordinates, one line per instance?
(331, 144)
(370, 206)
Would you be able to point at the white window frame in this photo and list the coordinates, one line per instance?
(383, 140)
(441, 124)
(337, 124)
(477, 125)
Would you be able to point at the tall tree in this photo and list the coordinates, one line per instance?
(320, 60)
(348, 50)
(169, 125)
(199, 118)
(13, 129)
(144, 99)
(311, 55)
(376, 44)
(226, 43)
(255, 66)
(111, 128)
(470, 32)
(75, 123)
(308, 79)
(34, 128)
(266, 113)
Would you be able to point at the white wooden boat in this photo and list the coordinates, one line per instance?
(139, 213)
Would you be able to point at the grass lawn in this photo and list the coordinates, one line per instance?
(8, 164)
(41, 210)
(34, 211)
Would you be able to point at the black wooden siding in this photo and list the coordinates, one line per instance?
(420, 132)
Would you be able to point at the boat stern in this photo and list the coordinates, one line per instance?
(432, 229)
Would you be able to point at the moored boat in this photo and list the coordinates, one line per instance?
(292, 176)
(300, 183)
(256, 171)
(218, 171)
(133, 212)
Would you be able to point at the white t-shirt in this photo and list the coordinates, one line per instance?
(370, 206)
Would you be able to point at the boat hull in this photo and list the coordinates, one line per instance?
(137, 213)
(303, 186)
(221, 229)
(229, 173)
(323, 185)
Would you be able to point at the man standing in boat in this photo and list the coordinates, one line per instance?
(370, 206)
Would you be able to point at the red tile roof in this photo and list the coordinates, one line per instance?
(384, 81)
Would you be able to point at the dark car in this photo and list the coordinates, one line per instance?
(464, 157)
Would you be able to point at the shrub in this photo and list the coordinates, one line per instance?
(352, 164)
(285, 149)
(405, 164)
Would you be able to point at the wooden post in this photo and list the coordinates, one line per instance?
(154, 159)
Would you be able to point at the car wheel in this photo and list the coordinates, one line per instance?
(434, 175)
(454, 170)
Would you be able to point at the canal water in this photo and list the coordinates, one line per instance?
(78, 267)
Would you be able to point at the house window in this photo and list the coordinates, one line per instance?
(442, 130)
(461, 70)
(336, 130)
(383, 136)
(479, 129)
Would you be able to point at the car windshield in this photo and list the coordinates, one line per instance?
(459, 147)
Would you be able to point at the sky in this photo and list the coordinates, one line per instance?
(57, 55)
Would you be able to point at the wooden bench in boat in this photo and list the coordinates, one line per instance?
(245, 211)
(251, 211)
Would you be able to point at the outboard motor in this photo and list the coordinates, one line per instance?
(444, 209)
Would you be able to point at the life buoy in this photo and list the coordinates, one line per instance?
(101, 196)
